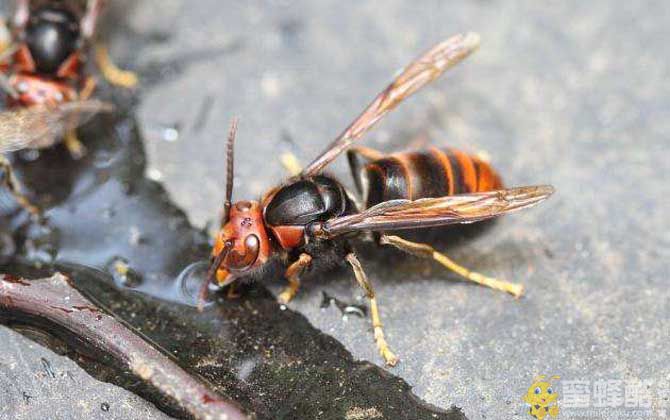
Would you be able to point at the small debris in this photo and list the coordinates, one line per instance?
(26, 397)
(47, 368)
(346, 308)
(136, 237)
(123, 274)
(358, 413)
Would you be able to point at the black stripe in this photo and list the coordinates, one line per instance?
(387, 181)
(375, 184)
(457, 172)
(396, 182)
(432, 176)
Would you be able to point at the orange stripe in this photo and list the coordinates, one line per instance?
(488, 178)
(447, 167)
(484, 177)
(467, 169)
(475, 163)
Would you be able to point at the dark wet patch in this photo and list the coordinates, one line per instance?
(270, 359)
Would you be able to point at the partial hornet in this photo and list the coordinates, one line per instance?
(43, 63)
(311, 221)
(43, 53)
(39, 127)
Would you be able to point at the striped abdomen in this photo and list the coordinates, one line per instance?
(429, 173)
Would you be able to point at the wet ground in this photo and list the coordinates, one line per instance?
(570, 94)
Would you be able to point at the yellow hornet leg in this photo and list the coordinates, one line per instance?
(390, 358)
(427, 251)
(290, 162)
(15, 189)
(87, 91)
(292, 274)
(6, 49)
(111, 72)
(72, 143)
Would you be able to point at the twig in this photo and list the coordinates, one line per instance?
(57, 301)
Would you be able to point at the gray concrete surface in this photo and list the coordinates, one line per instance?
(38, 384)
(569, 93)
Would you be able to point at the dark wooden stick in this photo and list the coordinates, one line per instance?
(57, 301)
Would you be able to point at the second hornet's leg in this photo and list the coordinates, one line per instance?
(292, 274)
(390, 358)
(290, 162)
(71, 140)
(427, 251)
(111, 73)
(109, 70)
(15, 189)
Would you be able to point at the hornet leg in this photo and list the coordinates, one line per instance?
(427, 251)
(290, 162)
(5, 41)
(390, 358)
(6, 52)
(292, 274)
(89, 87)
(74, 145)
(109, 70)
(111, 73)
(71, 140)
(15, 189)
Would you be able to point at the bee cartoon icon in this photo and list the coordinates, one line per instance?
(542, 398)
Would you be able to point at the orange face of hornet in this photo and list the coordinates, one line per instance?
(247, 238)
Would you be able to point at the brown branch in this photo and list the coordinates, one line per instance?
(57, 301)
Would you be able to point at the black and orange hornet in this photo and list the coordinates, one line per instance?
(311, 220)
